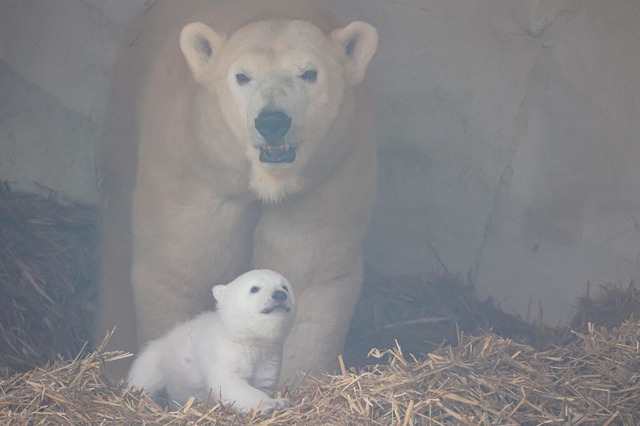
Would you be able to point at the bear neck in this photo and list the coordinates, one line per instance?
(245, 331)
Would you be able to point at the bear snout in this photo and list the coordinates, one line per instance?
(273, 126)
(279, 296)
(278, 303)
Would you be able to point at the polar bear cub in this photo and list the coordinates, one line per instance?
(232, 354)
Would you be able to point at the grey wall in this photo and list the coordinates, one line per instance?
(55, 59)
(509, 132)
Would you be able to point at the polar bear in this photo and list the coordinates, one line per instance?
(232, 354)
(239, 137)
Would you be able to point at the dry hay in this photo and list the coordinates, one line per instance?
(544, 375)
(611, 305)
(47, 267)
(423, 313)
(484, 380)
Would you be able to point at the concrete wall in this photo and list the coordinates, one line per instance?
(509, 132)
(55, 59)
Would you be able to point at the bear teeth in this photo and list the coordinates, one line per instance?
(277, 154)
(271, 148)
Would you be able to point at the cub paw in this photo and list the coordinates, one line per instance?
(274, 404)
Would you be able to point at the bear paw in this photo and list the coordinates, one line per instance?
(274, 404)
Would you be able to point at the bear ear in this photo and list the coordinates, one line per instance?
(200, 44)
(359, 42)
(218, 291)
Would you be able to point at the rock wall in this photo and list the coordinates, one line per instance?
(508, 132)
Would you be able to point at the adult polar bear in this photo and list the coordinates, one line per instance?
(245, 145)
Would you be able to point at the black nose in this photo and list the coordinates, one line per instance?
(273, 125)
(279, 295)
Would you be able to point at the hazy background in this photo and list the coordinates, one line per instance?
(508, 132)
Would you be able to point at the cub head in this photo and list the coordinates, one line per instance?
(259, 304)
(280, 87)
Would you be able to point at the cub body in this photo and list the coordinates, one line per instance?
(232, 354)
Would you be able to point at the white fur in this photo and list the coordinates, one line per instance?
(232, 354)
(188, 201)
(274, 64)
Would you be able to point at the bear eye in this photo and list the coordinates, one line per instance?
(285, 288)
(310, 76)
(254, 289)
(242, 78)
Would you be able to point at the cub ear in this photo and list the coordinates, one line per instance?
(359, 42)
(200, 44)
(218, 291)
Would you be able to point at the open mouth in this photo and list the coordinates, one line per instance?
(278, 307)
(277, 154)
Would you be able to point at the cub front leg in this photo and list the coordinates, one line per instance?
(233, 389)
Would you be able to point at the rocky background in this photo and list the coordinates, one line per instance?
(508, 133)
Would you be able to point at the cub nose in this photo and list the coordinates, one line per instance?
(279, 296)
(273, 125)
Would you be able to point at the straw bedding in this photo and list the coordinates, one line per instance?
(47, 269)
(462, 373)
(484, 380)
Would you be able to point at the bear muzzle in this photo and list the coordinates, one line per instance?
(273, 127)
(278, 303)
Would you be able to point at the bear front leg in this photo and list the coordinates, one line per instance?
(317, 246)
(320, 329)
(181, 247)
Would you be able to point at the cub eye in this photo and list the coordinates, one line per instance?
(254, 289)
(309, 75)
(285, 288)
(242, 78)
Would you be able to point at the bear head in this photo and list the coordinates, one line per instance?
(258, 305)
(281, 87)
